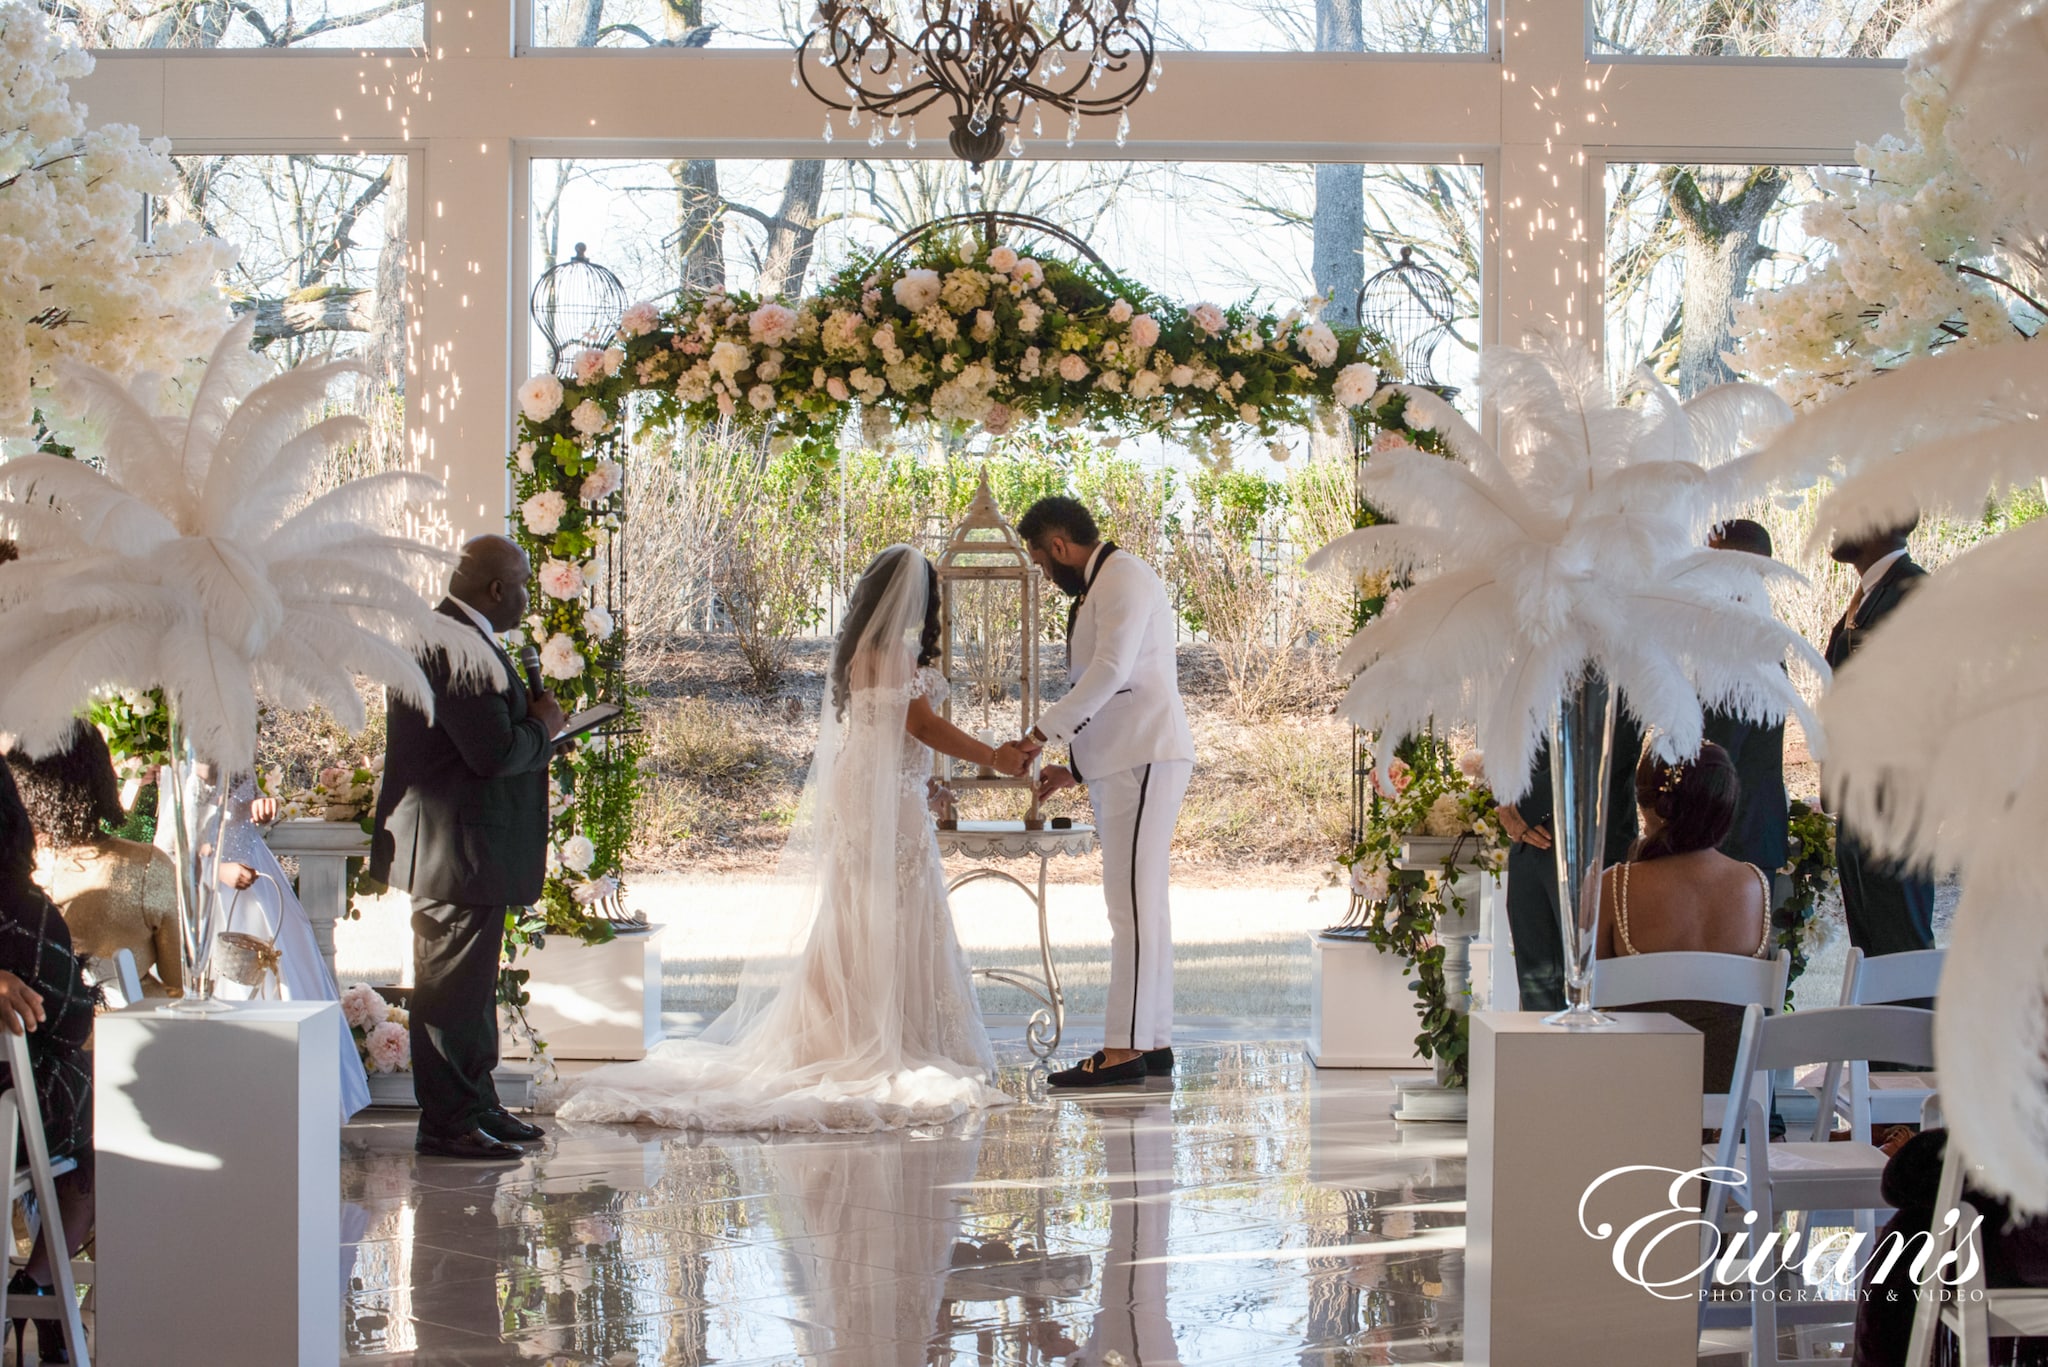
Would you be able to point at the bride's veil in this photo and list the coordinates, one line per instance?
(843, 847)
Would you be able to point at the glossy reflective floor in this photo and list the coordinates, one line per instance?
(1249, 1210)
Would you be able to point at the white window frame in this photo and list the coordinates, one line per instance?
(474, 108)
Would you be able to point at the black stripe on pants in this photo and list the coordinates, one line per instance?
(1137, 922)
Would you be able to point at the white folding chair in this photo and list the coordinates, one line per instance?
(127, 981)
(1885, 1098)
(1729, 979)
(1805, 1175)
(21, 1117)
(1978, 1313)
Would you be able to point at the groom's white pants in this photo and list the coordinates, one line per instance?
(1135, 812)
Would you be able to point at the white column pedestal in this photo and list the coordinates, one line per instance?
(323, 849)
(1553, 1111)
(1361, 1011)
(595, 1002)
(219, 1186)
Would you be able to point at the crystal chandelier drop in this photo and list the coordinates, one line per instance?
(1000, 63)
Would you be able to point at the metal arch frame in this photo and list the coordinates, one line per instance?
(989, 221)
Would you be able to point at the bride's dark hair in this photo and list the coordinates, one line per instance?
(860, 609)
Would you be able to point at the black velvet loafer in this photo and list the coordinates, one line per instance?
(474, 1145)
(1094, 1072)
(508, 1128)
(1159, 1062)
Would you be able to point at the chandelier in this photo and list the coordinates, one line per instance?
(996, 61)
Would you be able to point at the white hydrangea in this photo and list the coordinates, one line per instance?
(1907, 229)
(81, 284)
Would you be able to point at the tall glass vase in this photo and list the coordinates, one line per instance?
(196, 852)
(1581, 753)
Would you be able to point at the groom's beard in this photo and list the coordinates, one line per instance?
(1069, 580)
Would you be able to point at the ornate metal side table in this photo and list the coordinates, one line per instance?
(983, 840)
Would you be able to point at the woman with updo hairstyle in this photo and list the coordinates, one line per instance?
(1677, 893)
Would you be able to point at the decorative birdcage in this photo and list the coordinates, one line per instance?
(1410, 305)
(988, 613)
(577, 304)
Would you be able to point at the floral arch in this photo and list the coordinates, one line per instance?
(946, 327)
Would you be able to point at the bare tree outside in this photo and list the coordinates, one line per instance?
(239, 23)
(1761, 28)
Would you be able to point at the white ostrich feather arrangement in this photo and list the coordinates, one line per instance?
(196, 562)
(1938, 729)
(1578, 543)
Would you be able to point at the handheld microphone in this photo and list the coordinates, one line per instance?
(529, 660)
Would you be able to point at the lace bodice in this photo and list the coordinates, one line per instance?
(930, 685)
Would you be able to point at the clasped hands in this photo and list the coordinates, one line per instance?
(1012, 759)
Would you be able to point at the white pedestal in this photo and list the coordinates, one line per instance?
(323, 849)
(595, 1002)
(1552, 1112)
(1361, 1011)
(219, 1226)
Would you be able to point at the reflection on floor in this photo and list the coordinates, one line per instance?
(1250, 1210)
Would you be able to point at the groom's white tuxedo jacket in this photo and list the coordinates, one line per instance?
(1123, 706)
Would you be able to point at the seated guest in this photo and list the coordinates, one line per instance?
(43, 991)
(1678, 893)
(115, 894)
(2015, 1254)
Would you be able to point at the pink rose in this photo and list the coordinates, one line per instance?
(999, 419)
(1121, 311)
(1073, 369)
(1145, 331)
(561, 579)
(772, 324)
(640, 319)
(1208, 318)
(362, 1006)
(388, 1047)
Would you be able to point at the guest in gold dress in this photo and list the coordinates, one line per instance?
(115, 894)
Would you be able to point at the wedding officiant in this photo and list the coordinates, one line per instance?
(462, 825)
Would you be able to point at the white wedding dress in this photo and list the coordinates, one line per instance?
(859, 1013)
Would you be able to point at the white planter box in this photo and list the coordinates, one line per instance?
(517, 1085)
(1361, 1011)
(595, 1002)
(219, 1232)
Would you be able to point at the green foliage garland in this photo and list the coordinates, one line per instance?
(1434, 795)
(1812, 871)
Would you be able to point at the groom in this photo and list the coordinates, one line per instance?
(1128, 740)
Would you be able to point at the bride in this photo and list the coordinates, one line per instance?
(861, 1016)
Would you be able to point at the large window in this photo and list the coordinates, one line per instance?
(1202, 25)
(321, 264)
(1774, 28)
(1684, 244)
(240, 23)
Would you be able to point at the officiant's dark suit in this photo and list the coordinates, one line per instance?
(1533, 918)
(462, 824)
(1889, 910)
